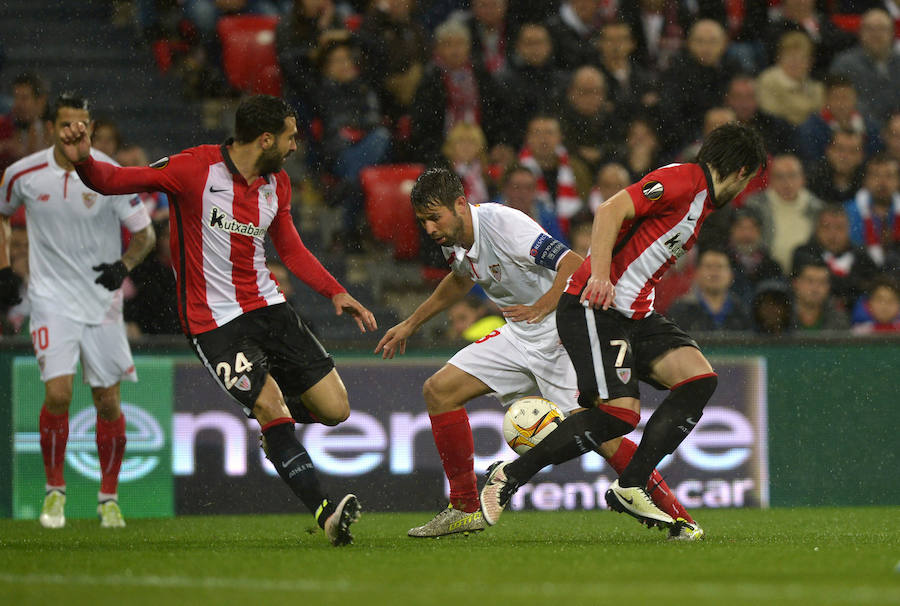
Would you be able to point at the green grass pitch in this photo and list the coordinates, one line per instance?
(779, 556)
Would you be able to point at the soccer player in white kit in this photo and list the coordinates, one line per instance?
(524, 271)
(76, 271)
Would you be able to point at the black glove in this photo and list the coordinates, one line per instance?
(10, 283)
(111, 274)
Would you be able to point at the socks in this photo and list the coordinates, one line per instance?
(54, 435)
(669, 425)
(659, 491)
(110, 448)
(575, 436)
(455, 444)
(296, 468)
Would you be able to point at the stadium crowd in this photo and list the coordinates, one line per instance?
(552, 107)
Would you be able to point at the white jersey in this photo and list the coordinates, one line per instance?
(514, 260)
(71, 228)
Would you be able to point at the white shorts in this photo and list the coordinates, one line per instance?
(514, 371)
(59, 342)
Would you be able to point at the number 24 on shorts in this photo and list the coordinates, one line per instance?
(241, 364)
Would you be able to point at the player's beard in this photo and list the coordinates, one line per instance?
(270, 161)
(453, 237)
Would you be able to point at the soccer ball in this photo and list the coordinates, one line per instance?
(528, 421)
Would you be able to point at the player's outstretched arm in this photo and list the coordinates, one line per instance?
(541, 308)
(451, 289)
(599, 292)
(344, 303)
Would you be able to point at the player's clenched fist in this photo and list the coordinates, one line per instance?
(76, 141)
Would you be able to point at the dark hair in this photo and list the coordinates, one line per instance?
(436, 187)
(731, 147)
(512, 169)
(32, 80)
(106, 123)
(832, 81)
(878, 159)
(260, 114)
(67, 99)
(816, 262)
(323, 53)
(884, 281)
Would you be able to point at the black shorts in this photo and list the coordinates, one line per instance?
(611, 352)
(269, 340)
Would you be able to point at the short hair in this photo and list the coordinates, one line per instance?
(731, 147)
(884, 281)
(436, 187)
(260, 114)
(33, 81)
(833, 81)
(815, 262)
(68, 99)
(323, 53)
(879, 159)
(106, 123)
(515, 168)
(794, 41)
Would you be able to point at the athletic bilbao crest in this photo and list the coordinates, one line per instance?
(89, 198)
(624, 374)
(495, 271)
(243, 383)
(653, 190)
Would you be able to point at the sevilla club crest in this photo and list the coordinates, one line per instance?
(89, 198)
(495, 271)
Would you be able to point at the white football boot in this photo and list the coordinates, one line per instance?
(635, 501)
(337, 526)
(53, 513)
(110, 515)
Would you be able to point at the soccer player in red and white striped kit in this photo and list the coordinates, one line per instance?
(607, 323)
(224, 199)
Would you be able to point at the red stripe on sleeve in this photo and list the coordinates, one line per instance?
(19, 174)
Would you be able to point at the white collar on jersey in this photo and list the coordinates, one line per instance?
(473, 252)
(53, 164)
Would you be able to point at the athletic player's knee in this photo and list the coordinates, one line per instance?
(57, 398)
(439, 397)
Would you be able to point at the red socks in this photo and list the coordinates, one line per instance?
(110, 448)
(657, 488)
(453, 438)
(54, 435)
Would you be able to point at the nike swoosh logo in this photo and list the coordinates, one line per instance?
(213, 190)
(288, 462)
(691, 421)
(690, 218)
(629, 501)
(587, 436)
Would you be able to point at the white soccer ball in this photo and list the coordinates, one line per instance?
(528, 421)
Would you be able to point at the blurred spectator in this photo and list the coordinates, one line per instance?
(22, 130)
(151, 307)
(772, 308)
(396, 49)
(352, 135)
(520, 192)
(656, 28)
(850, 266)
(786, 89)
(611, 178)
(490, 32)
(890, 136)
(572, 29)
(588, 119)
(839, 113)
(466, 152)
(750, 259)
(803, 16)
(580, 232)
(813, 309)
(776, 132)
(106, 137)
(641, 152)
(874, 212)
(712, 119)
(533, 82)
(787, 210)
(838, 176)
(879, 310)
(694, 82)
(309, 25)
(454, 90)
(873, 66)
(157, 203)
(711, 306)
(631, 87)
(560, 178)
(473, 318)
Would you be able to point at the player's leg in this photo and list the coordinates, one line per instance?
(295, 466)
(326, 401)
(446, 393)
(55, 339)
(106, 361)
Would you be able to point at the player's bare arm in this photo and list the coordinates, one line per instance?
(4, 241)
(344, 303)
(532, 314)
(451, 289)
(599, 291)
(142, 242)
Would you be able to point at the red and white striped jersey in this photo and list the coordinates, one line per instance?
(218, 228)
(670, 205)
